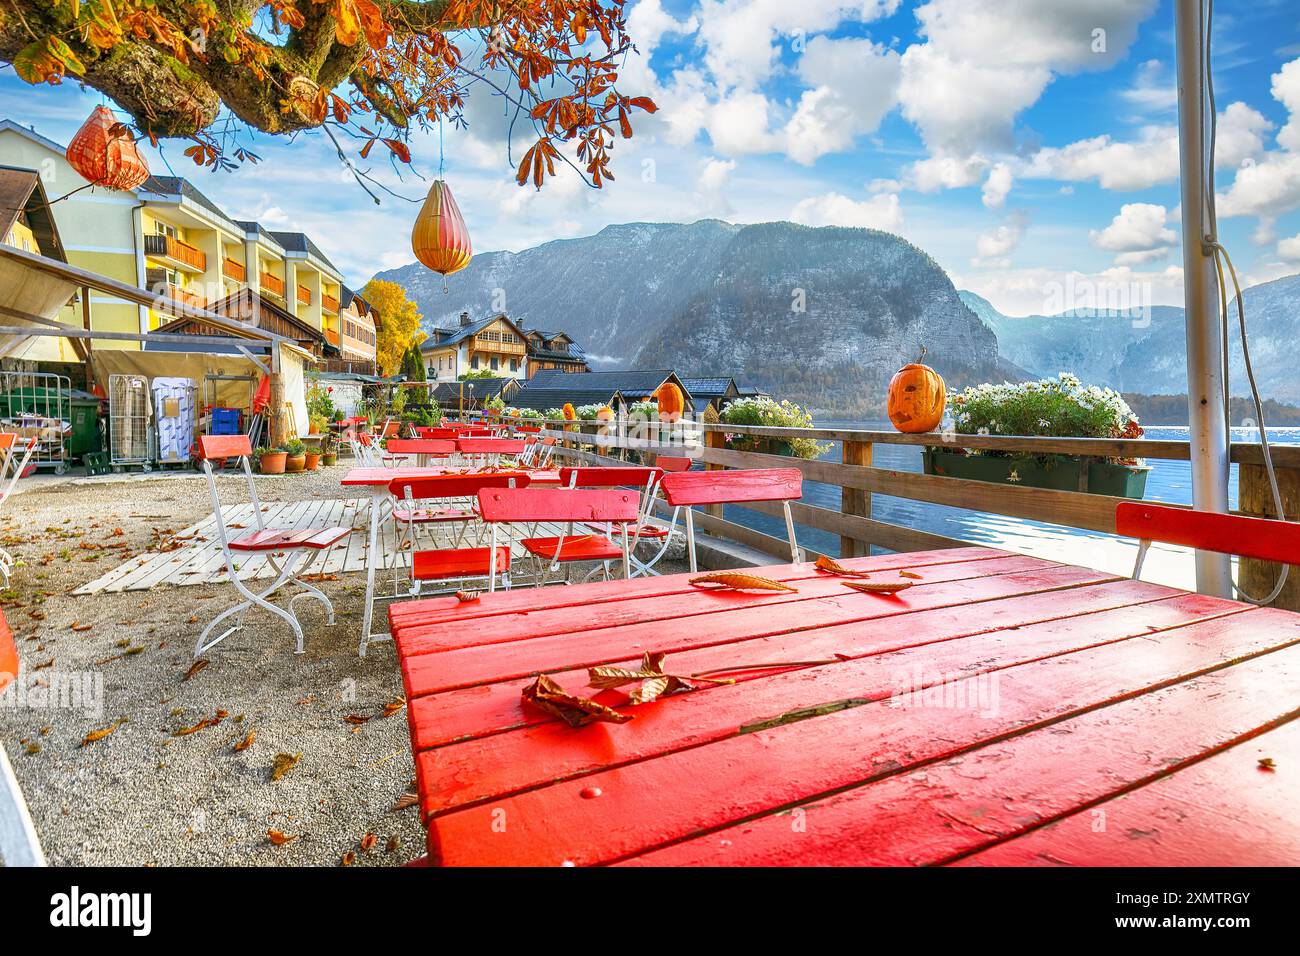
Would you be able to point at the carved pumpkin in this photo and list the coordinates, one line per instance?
(104, 153)
(604, 414)
(917, 397)
(671, 402)
(439, 238)
(569, 413)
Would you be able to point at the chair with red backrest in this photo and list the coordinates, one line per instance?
(441, 434)
(1264, 538)
(414, 507)
(488, 450)
(646, 480)
(290, 552)
(687, 488)
(530, 506)
(18, 843)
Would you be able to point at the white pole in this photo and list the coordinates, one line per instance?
(1205, 385)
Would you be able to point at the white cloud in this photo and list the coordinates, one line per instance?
(1265, 188)
(1138, 231)
(715, 174)
(985, 61)
(993, 247)
(1041, 291)
(1154, 90)
(738, 124)
(854, 83)
(1289, 249)
(1286, 90)
(833, 209)
(997, 186)
(945, 172)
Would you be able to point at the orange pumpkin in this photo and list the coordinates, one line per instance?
(917, 397)
(570, 414)
(671, 402)
(604, 414)
(104, 153)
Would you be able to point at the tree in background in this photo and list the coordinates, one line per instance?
(413, 368)
(399, 326)
(366, 70)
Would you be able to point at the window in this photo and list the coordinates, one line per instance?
(514, 365)
(494, 363)
(164, 229)
(473, 363)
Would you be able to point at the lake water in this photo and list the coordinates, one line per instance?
(1168, 481)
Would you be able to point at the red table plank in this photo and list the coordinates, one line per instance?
(620, 813)
(1223, 811)
(998, 791)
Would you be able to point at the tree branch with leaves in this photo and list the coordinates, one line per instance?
(376, 69)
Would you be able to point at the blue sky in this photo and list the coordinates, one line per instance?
(1010, 139)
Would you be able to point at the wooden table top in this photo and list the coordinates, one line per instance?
(1003, 710)
(381, 476)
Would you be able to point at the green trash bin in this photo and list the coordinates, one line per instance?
(85, 425)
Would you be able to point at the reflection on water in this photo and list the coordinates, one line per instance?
(1169, 481)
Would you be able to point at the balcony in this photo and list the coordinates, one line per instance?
(331, 336)
(233, 270)
(329, 303)
(304, 295)
(180, 255)
(273, 284)
(180, 295)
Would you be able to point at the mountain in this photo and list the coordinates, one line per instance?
(822, 316)
(1148, 353)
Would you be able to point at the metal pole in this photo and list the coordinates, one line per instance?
(1205, 384)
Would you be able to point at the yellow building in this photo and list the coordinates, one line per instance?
(171, 239)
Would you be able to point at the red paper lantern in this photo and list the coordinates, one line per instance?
(439, 237)
(105, 155)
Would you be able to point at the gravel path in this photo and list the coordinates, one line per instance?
(143, 794)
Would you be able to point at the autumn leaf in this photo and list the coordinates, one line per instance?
(357, 719)
(910, 574)
(394, 707)
(283, 764)
(393, 844)
(347, 26)
(94, 735)
(740, 581)
(546, 695)
(1266, 763)
(367, 842)
(246, 742)
(205, 722)
(655, 683)
(197, 666)
(831, 566)
(404, 802)
(878, 587)
(279, 839)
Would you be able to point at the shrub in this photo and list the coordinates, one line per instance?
(765, 411)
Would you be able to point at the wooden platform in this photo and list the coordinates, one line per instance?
(200, 561)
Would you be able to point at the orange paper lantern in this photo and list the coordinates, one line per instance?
(439, 237)
(104, 153)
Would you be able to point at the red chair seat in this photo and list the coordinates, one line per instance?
(583, 547)
(280, 539)
(428, 515)
(638, 531)
(458, 563)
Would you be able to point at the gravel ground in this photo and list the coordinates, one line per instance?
(146, 794)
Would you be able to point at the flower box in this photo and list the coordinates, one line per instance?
(1093, 475)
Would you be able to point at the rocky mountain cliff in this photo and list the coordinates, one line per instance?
(1148, 354)
(822, 316)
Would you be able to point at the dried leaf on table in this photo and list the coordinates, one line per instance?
(283, 764)
(655, 683)
(910, 574)
(878, 587)
(739, 581)
(831, 566)
(545, 694)
(1266, 763)
(466, 596)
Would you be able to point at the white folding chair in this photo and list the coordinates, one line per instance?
(12, 467)
(19, 845)
(297, 549)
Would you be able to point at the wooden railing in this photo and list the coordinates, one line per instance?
(184, 295)
(331, 336)
(329, 303)
(234, 270)
(172, 248)
(273, 283)
(859, 480)
(304, 295)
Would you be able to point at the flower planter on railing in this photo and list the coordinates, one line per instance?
(1094, 475)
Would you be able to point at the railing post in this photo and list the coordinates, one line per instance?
(713, 440)
(854, 501)
(1257, 578)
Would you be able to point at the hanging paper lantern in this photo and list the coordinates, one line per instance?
(439, 237)
(104, 153)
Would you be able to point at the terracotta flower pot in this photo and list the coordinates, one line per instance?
(272, 463)
(313, 459)
(294, 464)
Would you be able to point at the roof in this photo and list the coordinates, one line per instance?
(299, 242)
(179, 186)
(749, 390)
(712, 387)
(542, 399)
(240, 303)
(632, 384)
(476, 388)
(462, 332)
(21, 193)
(31, 134)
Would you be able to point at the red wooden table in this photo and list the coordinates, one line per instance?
(1003, 710)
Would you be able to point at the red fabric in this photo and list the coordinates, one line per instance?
(262, 397)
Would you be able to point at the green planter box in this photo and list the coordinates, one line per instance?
(1064, 474)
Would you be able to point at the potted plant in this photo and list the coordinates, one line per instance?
(329, 450)
(296, 457)
(766, 411)
(312, 456)
(1061, 407)
(271, 461)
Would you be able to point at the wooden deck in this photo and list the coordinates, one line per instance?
(199, 561)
